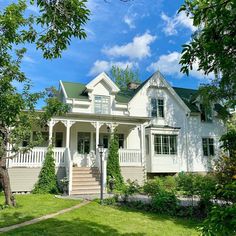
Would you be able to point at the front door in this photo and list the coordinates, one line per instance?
(83, 149)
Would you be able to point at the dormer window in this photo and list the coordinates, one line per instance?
(157, 107)
(206, 113)
(102, 104)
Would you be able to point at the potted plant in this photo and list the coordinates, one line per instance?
(111, 183)
(64, 184)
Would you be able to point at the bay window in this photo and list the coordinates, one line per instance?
(165, 144)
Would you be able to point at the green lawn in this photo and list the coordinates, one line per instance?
(32, 206)
(94, 219)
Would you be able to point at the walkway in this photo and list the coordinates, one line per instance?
(45, 217)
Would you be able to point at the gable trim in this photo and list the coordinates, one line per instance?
(63, 89)
(106, 78)
(168, 86)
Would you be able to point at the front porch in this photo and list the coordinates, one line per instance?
(75, 146)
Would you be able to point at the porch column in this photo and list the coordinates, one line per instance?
(50, 129)
(68, 125)
(97, 134)
(142, 135)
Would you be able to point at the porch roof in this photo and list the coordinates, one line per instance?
(105, 117)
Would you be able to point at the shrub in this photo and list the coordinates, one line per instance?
(47, 182)
(152, 187)
(220, 221)
(167, 183)
(113, 166)
(165, 202)
(130, 188)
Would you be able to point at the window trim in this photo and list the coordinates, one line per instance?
(101, 104)
(169, 144)
(155, 113)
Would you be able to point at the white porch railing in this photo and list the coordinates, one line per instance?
(36, 156)
(69, 167)
(130, 157)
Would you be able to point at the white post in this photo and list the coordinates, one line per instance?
(68, 125)
(97, 134)
(142, 133)
(50, 125)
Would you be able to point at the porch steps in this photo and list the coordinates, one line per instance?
(85, 180)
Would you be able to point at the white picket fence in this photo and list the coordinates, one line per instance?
(130, 157)
(35, 158)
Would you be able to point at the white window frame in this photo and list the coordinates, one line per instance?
(169, 146)
(104, 100)
(157, 107)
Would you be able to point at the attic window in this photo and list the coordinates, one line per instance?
(102, 105)
(206, 113)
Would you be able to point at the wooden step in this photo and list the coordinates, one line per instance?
(85, 187)
(81, 192)
(87, 183)
(81, 178)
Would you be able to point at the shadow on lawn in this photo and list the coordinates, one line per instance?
(185, 222)
(79, 227)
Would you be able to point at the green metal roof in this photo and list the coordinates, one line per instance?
(77, 90)
(188, 96)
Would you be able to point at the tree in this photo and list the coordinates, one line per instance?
(113, 165)
(213, 47)
(124, 76)
(47, 182)
(50, 31)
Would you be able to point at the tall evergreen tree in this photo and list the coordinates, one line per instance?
(113, 165)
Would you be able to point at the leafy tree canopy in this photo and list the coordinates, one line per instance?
(122, 77)
(213, 47)
(50, 31)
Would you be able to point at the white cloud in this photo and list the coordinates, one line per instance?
(139, 48)
(175, 22)
(28, 59)
(100, 66)
(129, 20)
(169, 64)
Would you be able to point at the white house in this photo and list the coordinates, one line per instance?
(161, 129)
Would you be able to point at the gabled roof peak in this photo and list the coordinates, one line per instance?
(102, 76)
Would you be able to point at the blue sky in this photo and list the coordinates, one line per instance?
(144, 34)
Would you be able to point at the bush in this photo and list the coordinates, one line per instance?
(168, 183)
(130, 188)
(113, 166)
(165, 202)
(47, 182)
(220, 221)
(152, 187)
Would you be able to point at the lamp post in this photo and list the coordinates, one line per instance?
(101, 150)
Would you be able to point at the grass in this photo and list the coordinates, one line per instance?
(31, 206)
(94, 219)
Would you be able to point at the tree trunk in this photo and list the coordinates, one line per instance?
(9, 198)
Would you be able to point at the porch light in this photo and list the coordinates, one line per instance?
(101, 150)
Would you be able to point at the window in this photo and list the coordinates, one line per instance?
(59, 139)
(160, 107)
(206, 113)
(121, 140)
(102, 104)
(157, 107)
(153, 107)
(208, 146)
(165, 144)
